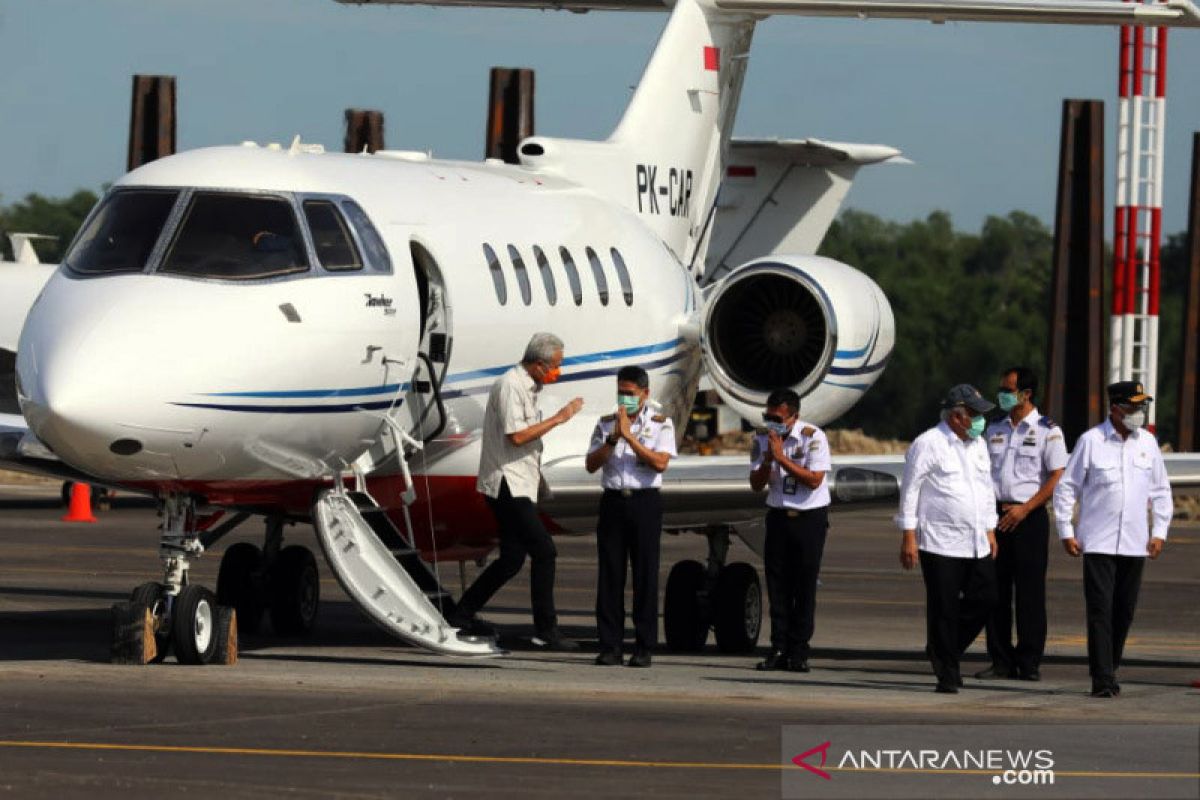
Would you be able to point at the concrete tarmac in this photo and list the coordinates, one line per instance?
(351, 712)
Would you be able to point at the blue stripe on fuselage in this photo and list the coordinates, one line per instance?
(490, 372)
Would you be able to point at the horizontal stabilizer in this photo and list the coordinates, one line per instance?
(781, 195)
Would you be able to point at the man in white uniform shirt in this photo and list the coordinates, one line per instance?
(791, 457)
(632, 449)
(948, 516)
(1028, 454)
(510, 472)
(1117, 474)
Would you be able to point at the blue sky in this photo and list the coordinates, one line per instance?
(976, 106)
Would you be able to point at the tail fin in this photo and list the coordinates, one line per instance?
(664, 160)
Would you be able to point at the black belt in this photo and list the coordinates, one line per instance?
(628, 492)
(795, 512)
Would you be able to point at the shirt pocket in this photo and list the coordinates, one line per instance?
(1027, 466)
(1104, 472)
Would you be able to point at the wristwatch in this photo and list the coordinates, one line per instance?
(612, 440)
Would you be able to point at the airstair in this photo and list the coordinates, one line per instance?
(384, 575)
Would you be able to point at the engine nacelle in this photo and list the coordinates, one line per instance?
(806, 322)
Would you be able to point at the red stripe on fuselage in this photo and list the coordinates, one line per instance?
(463, 526)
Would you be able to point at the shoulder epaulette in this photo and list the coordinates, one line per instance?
(1046, 422)
(609, 418)
(808, 430)
(659, 418)
(760, 431)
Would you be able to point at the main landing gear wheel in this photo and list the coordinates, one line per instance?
(737, 610)
(295, 591)
(194, 622)
(685, 620)
(154, 597)
(239, 585)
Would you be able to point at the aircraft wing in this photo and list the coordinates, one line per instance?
(1181, 13)
(715, 490)
(21, 451)
(1172, 13)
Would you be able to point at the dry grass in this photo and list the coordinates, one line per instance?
(11, 478)
(1187, 506)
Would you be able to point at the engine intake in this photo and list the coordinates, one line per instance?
(796, 321)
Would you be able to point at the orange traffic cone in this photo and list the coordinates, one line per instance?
(81, 504)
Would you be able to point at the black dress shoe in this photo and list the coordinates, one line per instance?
(608, 658)
(1029, 675)
(554, 641)
(471, 625)
(640, 658)
(1104, 691)
(775, 661)
(798, 665)
(994, 672)
(946, 687)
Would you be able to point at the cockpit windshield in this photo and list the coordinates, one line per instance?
(121, 234)
(227, 235)
(236, 237)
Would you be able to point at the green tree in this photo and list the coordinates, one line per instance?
(59, 217)
(966, 307)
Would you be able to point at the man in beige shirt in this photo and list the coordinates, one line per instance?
(509, 476)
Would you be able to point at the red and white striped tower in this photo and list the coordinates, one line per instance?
(1137, 228)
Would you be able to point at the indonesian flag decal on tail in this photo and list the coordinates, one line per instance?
(712, 58)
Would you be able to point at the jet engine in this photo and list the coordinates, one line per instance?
(807, 323)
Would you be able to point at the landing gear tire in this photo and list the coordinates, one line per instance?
(154, 597)
(238, 587)
(194, 625)
(295, 591)
(684, 620)
(737, 608)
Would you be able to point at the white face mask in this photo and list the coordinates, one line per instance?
(1135, 420)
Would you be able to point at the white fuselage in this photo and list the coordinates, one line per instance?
(218, 384)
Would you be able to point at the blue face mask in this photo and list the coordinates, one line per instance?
(1007, 400)
(778, 428)
(977, 426)
(631, 403)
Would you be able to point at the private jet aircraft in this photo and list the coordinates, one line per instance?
(280, 332)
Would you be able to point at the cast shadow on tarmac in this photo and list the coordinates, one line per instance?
(81, 634)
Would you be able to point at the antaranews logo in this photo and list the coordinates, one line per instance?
(802, 759)
(1008, 767)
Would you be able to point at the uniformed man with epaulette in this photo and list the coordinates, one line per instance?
(1028, 455)
(1118, 476)
(632, 449)
(791, 457)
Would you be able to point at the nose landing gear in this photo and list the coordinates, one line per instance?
(175, 613)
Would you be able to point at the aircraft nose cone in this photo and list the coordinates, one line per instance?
(78, 389)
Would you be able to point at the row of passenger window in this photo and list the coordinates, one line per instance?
(500, 283)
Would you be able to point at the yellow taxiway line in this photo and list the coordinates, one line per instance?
(524, 760)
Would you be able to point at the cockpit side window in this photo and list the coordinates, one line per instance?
(121, 234)
(372, 244)
(236, 237)
(330, 237)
